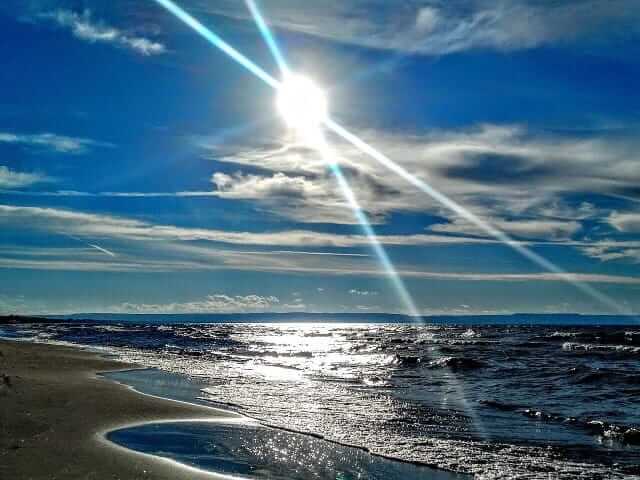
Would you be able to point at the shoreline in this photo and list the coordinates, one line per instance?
(90, 438)
(159, 382)
(249, 420)
(57, 408)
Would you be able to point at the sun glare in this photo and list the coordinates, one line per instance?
(302, 104)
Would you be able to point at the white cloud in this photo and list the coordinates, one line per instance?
(171, 248)
(498, 160)
(434, 27)
(606, 253)
(13, 179)
(515, 178)
(106, 226)
(259, 187)
(286, 158)
(533, 229)
(625, 222)
(216, 303)
(52, 142)
(203, 259)
(85, 28)
(427, 20)
(305, 199)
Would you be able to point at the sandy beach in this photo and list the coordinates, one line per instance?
(54, 408)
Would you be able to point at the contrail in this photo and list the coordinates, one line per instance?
(102, 249)
(92, 245)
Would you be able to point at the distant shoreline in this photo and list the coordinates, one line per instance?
(560, 319)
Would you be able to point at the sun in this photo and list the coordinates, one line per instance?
(302, 104)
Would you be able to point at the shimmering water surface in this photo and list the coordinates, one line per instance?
(499, 402)
(250, 451)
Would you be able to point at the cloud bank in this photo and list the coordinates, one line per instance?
(170, 248)
(215, 303)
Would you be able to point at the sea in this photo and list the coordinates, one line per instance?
(522, 396)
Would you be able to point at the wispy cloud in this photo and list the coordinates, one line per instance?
(544, 228)
(53, 142)
(611, 251)
(70, 222)
(14, 179)
(625, 222)
(84, 27)
(91, 225)
(77, 193)
(170, 248)
(434, 27)
(225, 260)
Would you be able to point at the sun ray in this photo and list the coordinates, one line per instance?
(304, 108)
(470, 216)
(396, 280)
(219, 43)
(267, 35)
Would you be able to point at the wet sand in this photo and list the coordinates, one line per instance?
(54, 409)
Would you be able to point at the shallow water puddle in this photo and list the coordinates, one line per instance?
(252, 451)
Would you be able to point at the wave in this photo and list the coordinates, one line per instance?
(504, 407)
(276, 354)
(457, 363)
(559, 395)
(589, 375)
(623, 433)
(597, 336)
(599, 349)
(628, 434)
(404, 361)
(470, 333)
(452, 362)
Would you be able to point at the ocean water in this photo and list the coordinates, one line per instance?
(495, 401)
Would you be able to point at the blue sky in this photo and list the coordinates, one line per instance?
(142, 170)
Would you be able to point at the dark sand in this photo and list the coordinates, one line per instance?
(54, 409)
